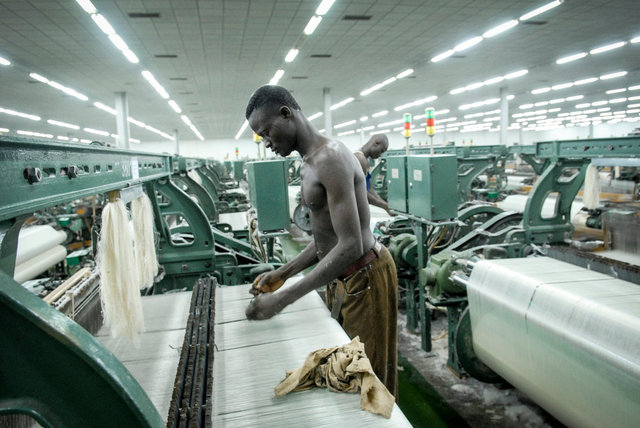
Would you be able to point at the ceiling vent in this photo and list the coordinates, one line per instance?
(356, 17)
(535, 22)
(144, 15)
(299, 77)
(177, 78)
(166, 56)
(321, 56)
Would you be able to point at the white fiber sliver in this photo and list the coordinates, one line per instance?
(145, 250)
(119, 291)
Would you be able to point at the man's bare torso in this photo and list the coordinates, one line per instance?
(330, 157)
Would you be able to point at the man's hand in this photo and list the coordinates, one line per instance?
(267, 282)
(264, 306)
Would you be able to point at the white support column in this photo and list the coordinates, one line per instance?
(504, 117)
(177, 141)
(122, 122)
(328, 125)
(591, 130)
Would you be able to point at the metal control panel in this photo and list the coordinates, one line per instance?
(432, 186)
(268, 193)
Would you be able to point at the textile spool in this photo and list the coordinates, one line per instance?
(38, 250)
(567, 337)
(119, 291)
(143, 235)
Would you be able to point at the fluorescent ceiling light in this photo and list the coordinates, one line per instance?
(105, 108)
(575, 97)
(613, 75)
(405, 73)
(87, 6)
(516, 74)
(137, 122)
(19, 114)
(153, 82)
(343, 124)
(380, 113)
(341, 134)
(4, 130)
(62, 124)
(242, 128)
(391, 123)
(510, 97)
(540, 10)
(381, 131)
(315, 116)
(291, 55)
(570, 58)
(104, 25)
(635, 40)
(4, 61)
(368, 128)
(118, 42)
(556, 101)
(473, 86)
(457, 91)
(540, 90)
(562, 86)
(34, 134)
(634, 88)
(599, 103)
(36, 76)
(493, 80)
(276, 77)
(500, 28)
(341, 103)
(617, 100)
(312, 25)
(585, 81)
(186, 120)
(62, 137)
(130, 56)
(467, 44)
(634, 98)
(134, 140)
(324, 7)
(443, 55)
(96, 131)
(616, 91)
(175, 106)
(364, 119)
(607, 48)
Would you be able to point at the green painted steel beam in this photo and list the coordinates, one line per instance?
(38, 174)
(594, 148)
(55, 371)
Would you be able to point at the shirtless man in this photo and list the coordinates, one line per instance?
(373, 149)
(360, 275)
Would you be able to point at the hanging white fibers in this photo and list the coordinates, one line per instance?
(143, 235)
(119, 291)
(591, 190)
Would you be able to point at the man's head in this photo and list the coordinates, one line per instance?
(376, 146)
(271, 114)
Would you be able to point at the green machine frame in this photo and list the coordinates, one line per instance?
(561, 166)
(79, 382)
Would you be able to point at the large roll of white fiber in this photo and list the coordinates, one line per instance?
(566, 336)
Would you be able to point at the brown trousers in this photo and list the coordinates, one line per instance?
(370, 310)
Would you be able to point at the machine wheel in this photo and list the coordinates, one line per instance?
(467, 357)
(301, 218)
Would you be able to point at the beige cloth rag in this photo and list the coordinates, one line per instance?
(341, 369)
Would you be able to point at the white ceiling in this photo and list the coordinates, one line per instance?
(227, 48)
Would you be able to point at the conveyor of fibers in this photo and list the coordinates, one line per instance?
(566, 336)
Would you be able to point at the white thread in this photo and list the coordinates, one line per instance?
(119, 291)
(591, 191)
(145, 250)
